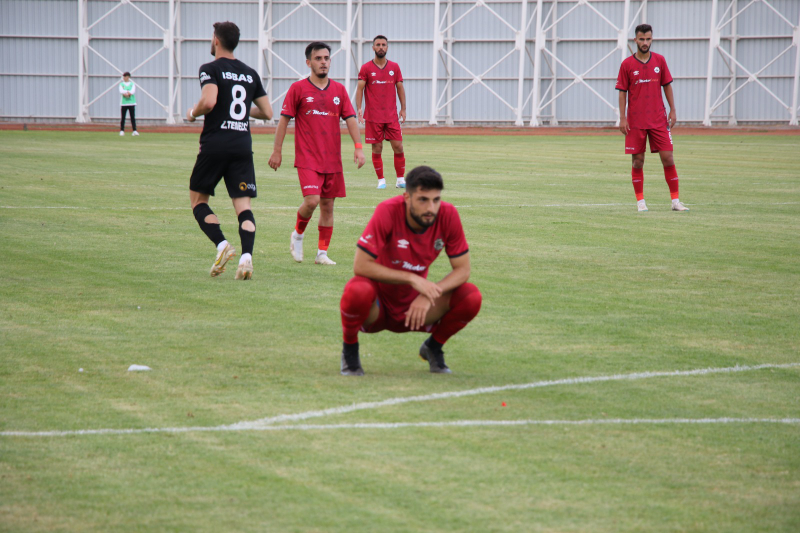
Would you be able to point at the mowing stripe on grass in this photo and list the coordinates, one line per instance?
(294, 207)
(271, 422)
(402, 425)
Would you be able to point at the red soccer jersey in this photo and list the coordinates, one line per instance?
(643, 82)
(395, 245)
(317, 134)
(381, 91)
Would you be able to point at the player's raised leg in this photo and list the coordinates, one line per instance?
(209, 224)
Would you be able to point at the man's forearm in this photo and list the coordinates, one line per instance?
(378, 272)
(670, 97)
(280, 133)
(352, 128)
(201, 108)
(623, 101)
(401, 95)
(453, 280)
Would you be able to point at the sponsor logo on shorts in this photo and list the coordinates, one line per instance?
(311, 187)
(438, 245)
(630, 148)
(403, 244)
(370, 138)
(244, 186)
(656, 70)
(336, 100)
(413, 268)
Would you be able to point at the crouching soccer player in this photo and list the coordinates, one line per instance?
(390, 290)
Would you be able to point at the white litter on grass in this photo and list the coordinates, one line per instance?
(80, 370)
(138, 368)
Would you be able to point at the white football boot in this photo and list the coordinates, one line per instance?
(678, 206)
(296, 246)
(245, 269)
(641, 206)
(122, 134)
(401, 183)
(135, 133)
(323, 259)
(222, 257)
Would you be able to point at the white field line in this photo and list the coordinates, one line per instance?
(403, 425)
(294, 207)
(271, 422)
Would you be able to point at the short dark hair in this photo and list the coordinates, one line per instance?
(380, 37)
(313, 47)
(643, 28)
(228, 35)
(423, 178)
(126, 74)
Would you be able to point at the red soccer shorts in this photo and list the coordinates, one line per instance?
(660, 141)
(376, 132)
(390, 323)
(325, 185)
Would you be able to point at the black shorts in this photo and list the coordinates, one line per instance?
(237, 169)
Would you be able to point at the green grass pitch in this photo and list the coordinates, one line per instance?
(104, 266)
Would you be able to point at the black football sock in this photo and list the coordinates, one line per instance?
(248, 237)
(351, 354)
(212, 231)
(434, 345)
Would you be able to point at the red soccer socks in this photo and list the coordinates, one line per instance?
(377, 162)
(357, 299)
(637, 177)
(465, 302)
(325, 233)
(400, 165)
(300, 225)
(671, 175)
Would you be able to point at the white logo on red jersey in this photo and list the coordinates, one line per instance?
(309, 99)
(315, 112)
(391, 73)
(336, 100)
(374, 73)
(413, 268)
(438, 245)
(635, 72)
(656, 70)
(402, 243)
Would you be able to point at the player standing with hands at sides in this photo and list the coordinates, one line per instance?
(641, 77)
(379, 80)
(317, 103)
(128, 103)
(226, 148)
(390, 289)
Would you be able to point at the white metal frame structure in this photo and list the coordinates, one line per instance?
(539, 63)
(171, 45)
(732, 63)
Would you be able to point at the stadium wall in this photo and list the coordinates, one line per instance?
(464, 62)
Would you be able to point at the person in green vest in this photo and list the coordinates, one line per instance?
(128, 104)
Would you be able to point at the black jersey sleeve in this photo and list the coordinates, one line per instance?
(209, 73)
(260, 91)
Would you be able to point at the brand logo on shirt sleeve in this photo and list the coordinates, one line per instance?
(204, 77)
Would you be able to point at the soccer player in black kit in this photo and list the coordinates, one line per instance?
(226, 148)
